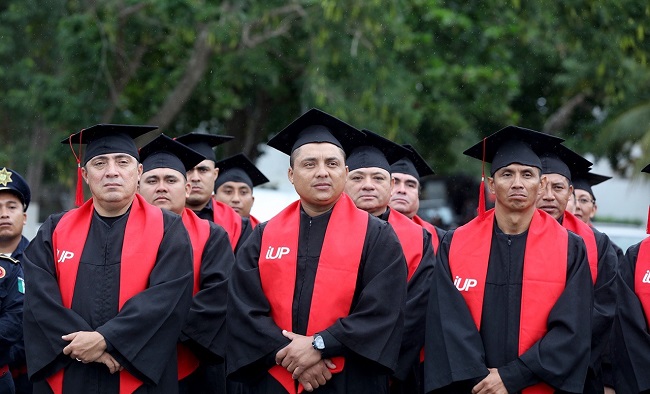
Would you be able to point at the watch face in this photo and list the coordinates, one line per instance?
(319, 343)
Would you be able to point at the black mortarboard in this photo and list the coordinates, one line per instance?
(11, 181)
(375, 151)
(562, 160)
(646, 169)
(316, 126)
(103, 139)
(239, 168)
(413, 164)
(203, 143)
(513, 144)
(164, 152)
(584, 180)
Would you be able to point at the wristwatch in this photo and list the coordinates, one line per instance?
(318, 343)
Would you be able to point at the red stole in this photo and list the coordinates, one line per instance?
(138, 260)
(572, 223)
(431, 229)
(199, 232)
(410, 237)
(336, 275)
(642, 277)
(254, 221)
(227, 218)
(544, 277)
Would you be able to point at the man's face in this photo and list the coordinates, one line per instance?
(165, 188)
(405, 197)
(555, 196)
(516, 187)
(318, 174)
(370, 189)
(201, 179)
(238, 195)
(112, 179)
(12, 217)
(585, 206)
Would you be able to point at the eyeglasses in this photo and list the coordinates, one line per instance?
(585, 201)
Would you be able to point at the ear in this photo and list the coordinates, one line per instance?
(542, 184)
(491, 185)
(84, 174)
(188, 189)
(290, 175)
(139, 171)
(24, 218)
(593, 211)
(392, 184)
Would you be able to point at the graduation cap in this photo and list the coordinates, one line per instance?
(562, 160)
(412, 164)
(646, 169)
(375, 151)
(102, 139)
(584, 180)
(239, 168)
(11, 181)
(316, 126)
(203, 143)
(164, 152)
(511, 144)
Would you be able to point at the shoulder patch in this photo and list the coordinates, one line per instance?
(21, 285)
(3, 272)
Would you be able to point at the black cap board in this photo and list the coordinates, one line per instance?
(164, 152)
(513, 144)
(646, 169)
(11, 181)
(316, 126)
(203, 143)
(584, 180)
(102, 139)
(564, 161)
(239, 168)
(413, 164)
(375, 151)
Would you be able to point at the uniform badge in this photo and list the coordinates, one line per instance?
(3, 272)
(5, 176)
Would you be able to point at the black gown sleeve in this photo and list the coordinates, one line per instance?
(145, 331)
(205, 327)
(631, 338)
(417, 296)
(246, 231)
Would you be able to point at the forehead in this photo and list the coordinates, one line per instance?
(370, 171)
(518, 167)
(112, 156)
(9, 196)
(206, 163)
(162, 173)
(235, 185)
(319, 149)
(405, 177)
(556, 178)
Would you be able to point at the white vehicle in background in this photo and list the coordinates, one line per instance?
(622, 235)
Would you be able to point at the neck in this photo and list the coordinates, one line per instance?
(513, 223)
(197, 207)
(378, 211)
(315, 210)
(112, 210)
(8, 246)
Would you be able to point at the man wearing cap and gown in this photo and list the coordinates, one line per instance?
(405, 197)
(317, 293)
(202, 179)
(369, 185)
(558, 166)
(586, 207)
(631, 336)
(510, 304)
(165, 163)
(15, 197)
(234, 186)
(106, 305)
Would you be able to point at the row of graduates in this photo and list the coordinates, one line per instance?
(324, 296)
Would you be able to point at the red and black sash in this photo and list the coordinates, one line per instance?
(137, 262)
(544, 275)
(642, 277)
(254, 221)
(410, 237)
(431, 229)
(199, 232)
(336, 275)
(572, 223)
(226, 217)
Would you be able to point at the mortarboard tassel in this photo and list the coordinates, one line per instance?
(79, 191)
(481, 192)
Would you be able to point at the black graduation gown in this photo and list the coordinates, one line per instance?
(205, 328)
(369, 337)
(141, 337)
(408, 375)
(631, 340)
(207, 213)
(603, 313)
(457, 355)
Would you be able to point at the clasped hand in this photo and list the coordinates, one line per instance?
(304, 362)
(88, 347)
